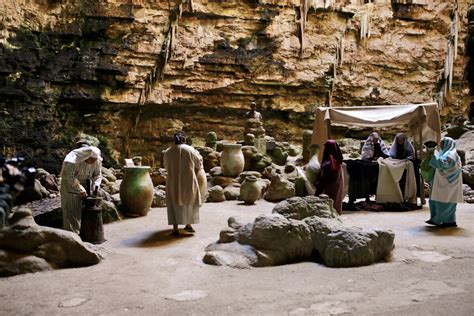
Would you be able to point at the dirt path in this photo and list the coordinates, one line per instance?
(148, 272)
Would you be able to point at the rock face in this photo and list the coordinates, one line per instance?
(26, 247)
(131, 72)
(298, 229)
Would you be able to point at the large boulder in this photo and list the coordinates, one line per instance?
(159, 198)
(158, 177)
(109, 174)
(468, 175)
(216, 194)
(26, 247)
(232, 192)
(298, 229)
(466, 143)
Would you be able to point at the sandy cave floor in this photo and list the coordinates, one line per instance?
(148, 272)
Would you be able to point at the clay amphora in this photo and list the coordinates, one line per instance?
(250, 190)
(136, 190)
(232, 160)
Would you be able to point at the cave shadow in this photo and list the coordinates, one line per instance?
(153, 239)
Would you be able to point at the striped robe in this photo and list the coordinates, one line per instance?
(73, 182)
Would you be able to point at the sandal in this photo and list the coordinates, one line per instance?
(189, 229)
(175, 233)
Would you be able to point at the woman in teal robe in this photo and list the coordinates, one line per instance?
(446, 188)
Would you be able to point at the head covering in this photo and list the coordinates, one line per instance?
(449, 153)
(179, 138)
(368, 149)
(404, 151)
(82, 154)
(332, 155)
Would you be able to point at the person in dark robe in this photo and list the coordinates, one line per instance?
(402, 148)
(332, 175)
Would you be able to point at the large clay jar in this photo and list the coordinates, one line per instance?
(232, 160)
(250, 190)
(136, 190)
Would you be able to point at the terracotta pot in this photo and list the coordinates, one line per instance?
(232, 160)
(250, 190)
(136, 190)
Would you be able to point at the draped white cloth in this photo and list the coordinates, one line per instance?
(390, 173)
(82, 154)
(183, 194)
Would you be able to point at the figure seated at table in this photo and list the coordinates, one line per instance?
(374, 147)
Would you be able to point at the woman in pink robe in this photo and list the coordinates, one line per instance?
(332, 175)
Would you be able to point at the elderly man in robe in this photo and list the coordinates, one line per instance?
(80, 166)
(184, 169)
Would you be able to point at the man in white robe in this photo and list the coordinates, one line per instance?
(184, 169)
(79, 166)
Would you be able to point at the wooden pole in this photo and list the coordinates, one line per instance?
(328, 128)
(422, 182)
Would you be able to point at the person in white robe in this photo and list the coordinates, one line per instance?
(79, 166)
(184, 168)
(374, 147)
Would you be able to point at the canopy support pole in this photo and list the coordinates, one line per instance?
(422, 182)
(328, 128)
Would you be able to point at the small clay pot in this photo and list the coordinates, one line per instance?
(250, 190)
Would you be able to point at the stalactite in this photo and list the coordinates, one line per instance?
(302, 23)
(365, 19)
(452, 43)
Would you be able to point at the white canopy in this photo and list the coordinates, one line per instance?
(421, 119)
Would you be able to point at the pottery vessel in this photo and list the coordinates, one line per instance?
(250, 190)
(136, 190)
(232, 160)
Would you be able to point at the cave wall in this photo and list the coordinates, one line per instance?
(132, 71)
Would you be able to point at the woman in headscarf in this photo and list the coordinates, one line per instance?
(184, 165)
(401, 148)
(79, 166)
(332, 175)
(374, 147)
(446, 188)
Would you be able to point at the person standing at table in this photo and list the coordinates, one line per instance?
(332, 175)
(446, 188)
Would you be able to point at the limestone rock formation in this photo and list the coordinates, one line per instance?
(159, 198)
(26, 247)
(216, 194)
(135, 71)
(298, 229)
(279, 189)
